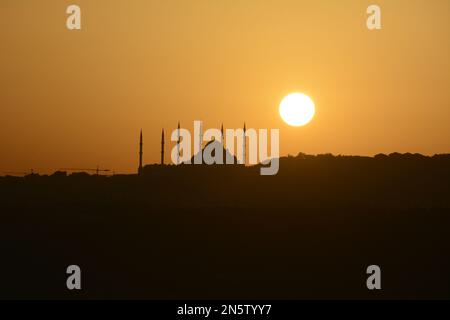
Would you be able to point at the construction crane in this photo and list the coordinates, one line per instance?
(96, 170)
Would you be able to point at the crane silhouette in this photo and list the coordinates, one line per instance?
(96, 170)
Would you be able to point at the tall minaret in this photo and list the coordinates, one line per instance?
(140, 153)
(223, 137)
(244, 146)
(178, 144)
(162, 147)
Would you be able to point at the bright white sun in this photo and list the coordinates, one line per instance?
(297, 109)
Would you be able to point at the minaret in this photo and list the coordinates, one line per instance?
(223, 137)
(200, 142)
(140, 153)
(162, 147)
(178, 144)
(244, 146)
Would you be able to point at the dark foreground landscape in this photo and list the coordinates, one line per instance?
(227, 232)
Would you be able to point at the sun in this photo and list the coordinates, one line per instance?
(297, 109)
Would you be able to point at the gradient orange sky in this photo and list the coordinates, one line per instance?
(79, 98)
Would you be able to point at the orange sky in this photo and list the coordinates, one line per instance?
(79, 98)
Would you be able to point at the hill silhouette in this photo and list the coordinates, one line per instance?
(226, 232)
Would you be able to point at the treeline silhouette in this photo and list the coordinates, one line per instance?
(194, 231)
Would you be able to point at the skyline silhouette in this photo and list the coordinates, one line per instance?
(226, 152)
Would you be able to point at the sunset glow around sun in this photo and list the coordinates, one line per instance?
(297, 109)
